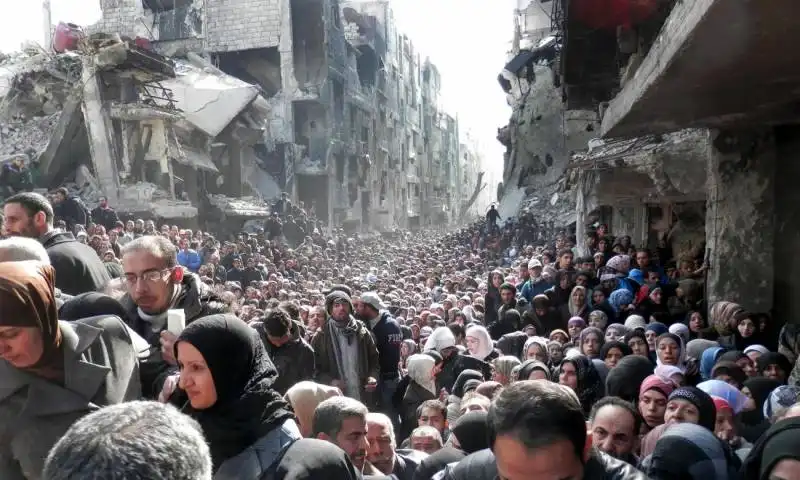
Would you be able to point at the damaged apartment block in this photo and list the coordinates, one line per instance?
(172, 106)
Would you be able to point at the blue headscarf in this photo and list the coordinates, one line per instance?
(657, 327)
(707, 361)
(619, 298)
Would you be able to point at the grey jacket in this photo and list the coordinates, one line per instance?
(100, 369)
(257, 460)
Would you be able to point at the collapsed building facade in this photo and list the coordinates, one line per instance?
(541, 135)
(345, 114)
(698, 147)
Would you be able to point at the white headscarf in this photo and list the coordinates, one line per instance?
(420, 369)
(485, 345)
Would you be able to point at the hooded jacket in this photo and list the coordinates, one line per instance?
(327, 368)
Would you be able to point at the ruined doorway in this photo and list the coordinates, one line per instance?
(312, 190)
(366, 206)
(308, 40)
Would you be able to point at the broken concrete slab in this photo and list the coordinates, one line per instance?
(209, 100)
(137, 111)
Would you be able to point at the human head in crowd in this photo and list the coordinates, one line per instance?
(20, 249)
(470, 432)
(151, 273)
(426, 439)
(537, 430)
(382, 443)
(343, 422)
(432, 413)
(27, 214)
(228, 377)
(502, 368)
(131, 440)
(614, 425)
(304, 397)
(691, 452)
(690, 405)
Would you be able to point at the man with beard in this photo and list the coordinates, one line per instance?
(382, 452)
(614, 425)
(342, 421)
(105, 215)
(537, 284)
(78, 268)
(344, 350)
(155, 284)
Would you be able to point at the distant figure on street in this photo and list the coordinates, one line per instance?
(492, 217)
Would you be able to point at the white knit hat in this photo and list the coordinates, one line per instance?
(440, 339)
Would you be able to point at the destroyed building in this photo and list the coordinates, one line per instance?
(346, 115)
(703, 143)
(540, 136)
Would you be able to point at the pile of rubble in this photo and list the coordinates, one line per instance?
(26, 138)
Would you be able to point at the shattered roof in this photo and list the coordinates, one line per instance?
(241, 207)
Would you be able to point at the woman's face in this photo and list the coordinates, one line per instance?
(746, 328)
(611, 334)
(612, 357)
(775, 372)
(639, 346)
(590, 345)
(569, 376)
(696, 322)
(753, 355)
(681, 411)
(473, 344)
(22, 347)
(597, 321)
(651, 339)
(724, 428)
(404, 349)
(668, 351)
(574, 330)
(537, 374)
(655, 296)
(497, 280)
(751, 402)
(196, 377)
(748, 366)
(535, 353)
(598, 297)
(652, 405)
(579, 297)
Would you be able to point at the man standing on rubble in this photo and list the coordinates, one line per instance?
(78, 268)
(69, 209)
(105, 215)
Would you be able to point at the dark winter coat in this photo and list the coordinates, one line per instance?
(414, 396)
(106, 217)
(457, 363)
(327, 370)
(294, 360)
(388, 338)
(78, 268)
(197, 300)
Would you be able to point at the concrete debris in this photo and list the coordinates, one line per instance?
(240, 207)
(26, 138)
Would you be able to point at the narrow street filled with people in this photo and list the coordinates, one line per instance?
(149, 351)
(399, 240)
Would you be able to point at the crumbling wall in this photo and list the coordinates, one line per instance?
(787, 227)
(542, 134)
(243, 24)
(125, 17)
(740, 221)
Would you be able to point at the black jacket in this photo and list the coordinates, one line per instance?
(600, 466)
(78, 268)
(106, 217)
(294, 360)
(457, 363)
(197, 300)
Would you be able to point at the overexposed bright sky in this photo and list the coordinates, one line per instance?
(466, 39)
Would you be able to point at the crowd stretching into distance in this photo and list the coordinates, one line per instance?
(136, 350)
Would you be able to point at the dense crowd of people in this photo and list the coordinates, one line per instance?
(134, 350)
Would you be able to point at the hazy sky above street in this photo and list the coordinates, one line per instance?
(466, 39)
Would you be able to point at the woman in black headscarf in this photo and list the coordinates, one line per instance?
(777, 447)
(753, 423)
(470, 432)
(582, 377)
(774, 365)
(228, 377)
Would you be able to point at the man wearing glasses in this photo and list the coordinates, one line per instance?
(155, 284)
